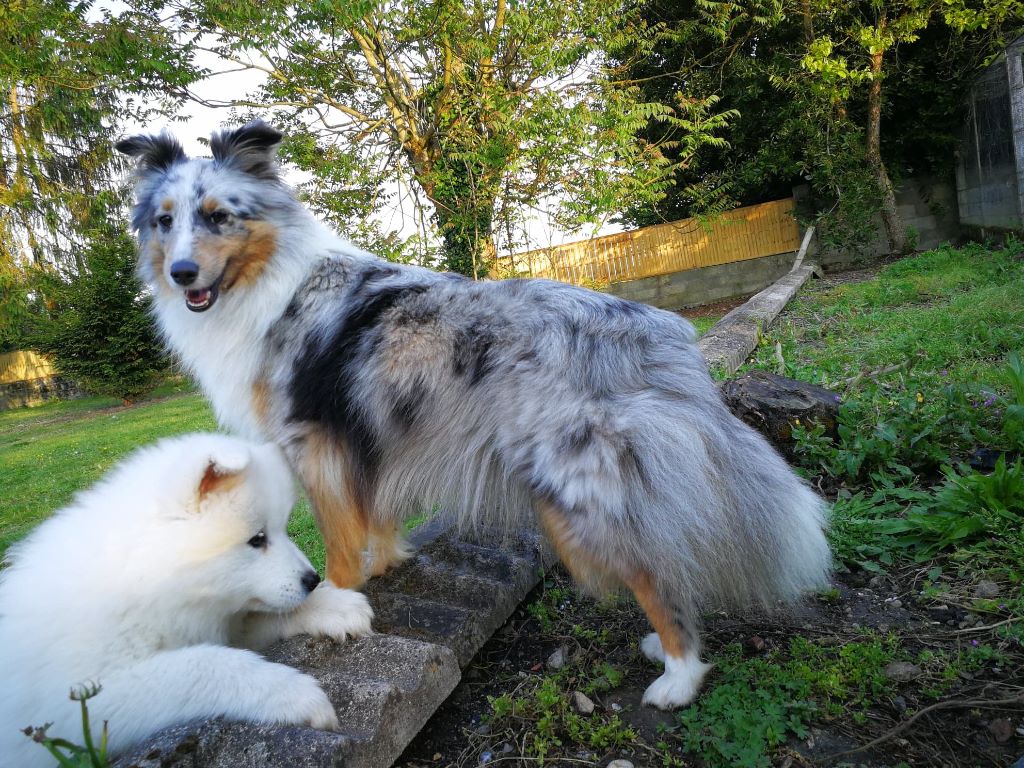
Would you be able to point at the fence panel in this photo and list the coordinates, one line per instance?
(23, 366)
(743, 233)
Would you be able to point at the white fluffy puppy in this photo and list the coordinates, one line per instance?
(143, 583)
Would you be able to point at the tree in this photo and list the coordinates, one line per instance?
(809, 107)
(63, 75)
(854, 54)
(486, 111)
(98, 328)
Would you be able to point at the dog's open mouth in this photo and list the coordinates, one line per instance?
(201, 299)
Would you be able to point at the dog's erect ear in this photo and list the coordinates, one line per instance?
(250, 149)
(223, 472)
(154, 153)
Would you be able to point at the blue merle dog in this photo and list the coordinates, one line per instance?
(394, 388)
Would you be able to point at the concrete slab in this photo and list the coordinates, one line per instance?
(731, 340)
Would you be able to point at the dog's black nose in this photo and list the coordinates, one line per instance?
(184, 272)
(310, 580)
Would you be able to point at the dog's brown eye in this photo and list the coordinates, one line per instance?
(218, 217)
(165, 221)
(259, 541)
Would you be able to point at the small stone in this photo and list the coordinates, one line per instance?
(620, 763)
(506, 748)
(582, 703)
(902, 671)
(1001, 730)
(899, 704)
(437, 756)
(894, 602)
(557, 659)
(483, 729)
(616, 707)
(876, 582)
(987, 590)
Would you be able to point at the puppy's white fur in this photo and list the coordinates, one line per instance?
(143, 583)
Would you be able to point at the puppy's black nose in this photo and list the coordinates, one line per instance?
(310, 580)
(184, 272)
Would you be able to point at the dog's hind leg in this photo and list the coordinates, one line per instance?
(341, 515)
(674, 641)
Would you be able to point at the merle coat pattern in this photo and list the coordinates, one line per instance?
(394, 388)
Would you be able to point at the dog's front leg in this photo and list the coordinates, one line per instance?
(203, 681)
(330, 480)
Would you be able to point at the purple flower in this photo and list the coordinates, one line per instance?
(944, 372)
(974, 643)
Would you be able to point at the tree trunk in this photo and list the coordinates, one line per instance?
(894, 228)
(468, 239)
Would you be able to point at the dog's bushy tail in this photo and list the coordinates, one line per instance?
(730, 524)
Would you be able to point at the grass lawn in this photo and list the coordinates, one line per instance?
(54, 450)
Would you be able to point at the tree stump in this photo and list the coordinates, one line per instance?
(772, 405)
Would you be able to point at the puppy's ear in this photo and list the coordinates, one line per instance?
(223, 472)
(250, 149)
(154, 153)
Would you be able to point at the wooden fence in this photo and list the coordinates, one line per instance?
(23, 366)
(743, 233)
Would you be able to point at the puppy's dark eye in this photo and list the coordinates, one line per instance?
(218, 217)
(259, 541)
(165, 221)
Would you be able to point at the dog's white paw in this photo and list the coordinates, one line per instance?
(303, 702)
(650, 646)
(337, 613)
(679, 685)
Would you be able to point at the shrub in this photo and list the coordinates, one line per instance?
(98, 330)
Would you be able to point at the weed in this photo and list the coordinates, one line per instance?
(67, 753)
(754, 705)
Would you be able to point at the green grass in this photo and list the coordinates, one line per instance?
(50, 452)
(46, 461)
(951, 323)
(703, 324)
(952, 314)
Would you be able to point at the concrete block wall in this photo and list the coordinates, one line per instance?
(927, 205)
(703, 286)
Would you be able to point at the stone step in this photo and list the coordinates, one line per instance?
(433, 613)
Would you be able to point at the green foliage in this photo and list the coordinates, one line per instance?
(904, 490)
(483, 112)
(98, 329)
(545, 703)
(67, 753)
(970, 510)
(799, 76)
(754, 705)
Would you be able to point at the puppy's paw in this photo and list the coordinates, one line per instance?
(303, 702)
(650, 646)
(336, 613)
(679, 685)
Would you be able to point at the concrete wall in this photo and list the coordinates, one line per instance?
(926, 205)
(990, 167)
(703, 286)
